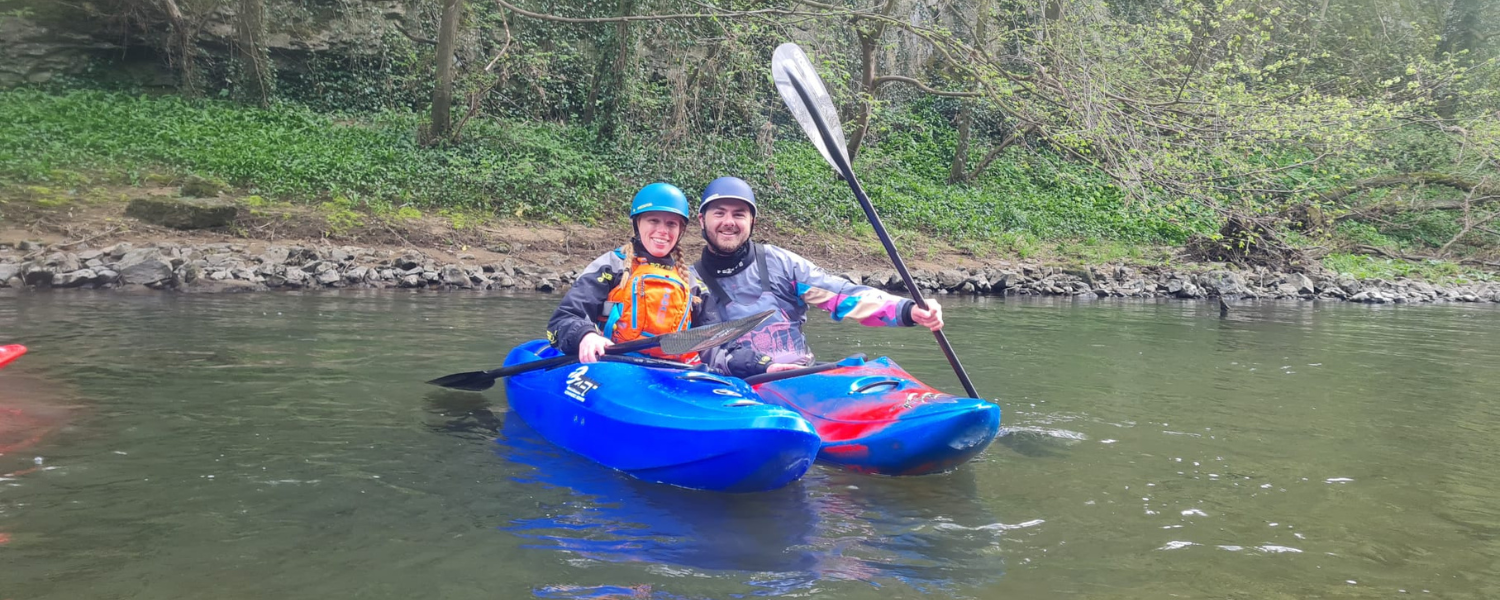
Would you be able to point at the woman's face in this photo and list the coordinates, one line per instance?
(659, 232)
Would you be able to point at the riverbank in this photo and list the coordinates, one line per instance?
(98, 245)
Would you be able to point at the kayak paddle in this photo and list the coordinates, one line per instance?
(810, 103)
(852, 361)
(696, 339)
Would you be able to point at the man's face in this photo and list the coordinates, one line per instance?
(726, 224)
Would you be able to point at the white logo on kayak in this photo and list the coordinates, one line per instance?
(579, 385)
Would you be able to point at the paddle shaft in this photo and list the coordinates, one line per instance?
(835, 151)
(547, 363)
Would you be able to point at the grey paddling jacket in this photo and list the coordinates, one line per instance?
(780, 279)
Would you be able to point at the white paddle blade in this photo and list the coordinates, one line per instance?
(789, 62)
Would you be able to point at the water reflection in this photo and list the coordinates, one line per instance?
(928, 533)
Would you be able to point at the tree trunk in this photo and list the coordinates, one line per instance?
(254, 80)
(442, 95)
(183, 50)
(1015, 136)
(961, 149)
(1460, 39)
(867, 41)
(957, 171)
(615, 92)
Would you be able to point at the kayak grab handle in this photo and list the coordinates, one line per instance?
(704, 377)
(866, 385)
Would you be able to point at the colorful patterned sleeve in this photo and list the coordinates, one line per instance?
(845, 300)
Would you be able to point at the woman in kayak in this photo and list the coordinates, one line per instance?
(644, 288)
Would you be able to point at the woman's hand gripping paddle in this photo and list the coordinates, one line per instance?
(696, 339)
(810, 103)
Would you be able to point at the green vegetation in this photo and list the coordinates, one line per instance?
(1264, 132)
(1371, 267)
(517, 169)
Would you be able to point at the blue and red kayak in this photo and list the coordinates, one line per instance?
(681, 427)
(874, 417)
(10, 353)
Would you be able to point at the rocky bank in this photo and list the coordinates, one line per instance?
(235, 267)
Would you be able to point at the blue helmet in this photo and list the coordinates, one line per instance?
(727, 187)
(663, 197)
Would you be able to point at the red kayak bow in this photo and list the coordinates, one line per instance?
(10, 353)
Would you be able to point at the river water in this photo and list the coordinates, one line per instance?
(283, 446)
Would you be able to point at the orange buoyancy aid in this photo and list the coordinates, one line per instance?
(650, 300)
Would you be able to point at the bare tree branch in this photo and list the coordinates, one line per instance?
(884, 79)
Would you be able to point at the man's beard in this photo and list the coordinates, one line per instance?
(717, 249)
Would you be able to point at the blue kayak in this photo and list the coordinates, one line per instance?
(874, 417)
(681, 427)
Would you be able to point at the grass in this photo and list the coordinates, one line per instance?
(1363, 266)
(556, 173)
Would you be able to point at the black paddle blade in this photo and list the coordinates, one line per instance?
(473, 381)
(703, 338)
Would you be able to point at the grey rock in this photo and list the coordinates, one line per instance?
(407, 262)
(182, 213)
(1003, 280)
(62, 262)
(546, 285)
(274, 255)
(387, 274)
(1304, 285)
(1350, 285)
(297, 278)
(119, 250)
(88, 255)
(30, 246)
(948, 279)
(430, 276)
(220, 275)
(75, 278)
(186, 274)
(411, 281)
(329, 277)
(357, 274)
(9, 270)
(453, 275)
(106, 275)
(37, 275)
(143, 266)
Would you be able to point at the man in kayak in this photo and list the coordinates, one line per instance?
(644, 288)
(746, 277)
